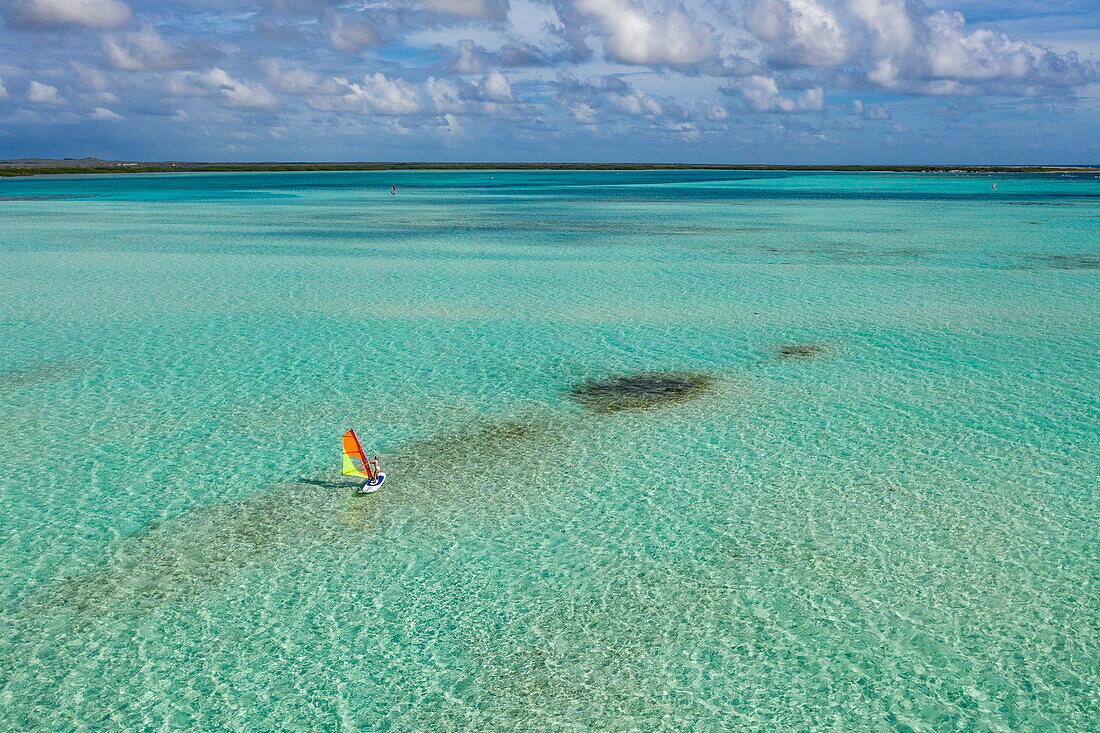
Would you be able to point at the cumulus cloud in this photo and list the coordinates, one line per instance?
(905, 46)
(798, 33)
(686, 131)
(630, 35)
(875, 112)
(219, 85)
(440, 61)
(606, 97)
(104, 114)
(98, 99)
(635, 103)
(467, 57)
(235, 93)
(351, 36)
(445, 95)
(384, 96)
(3, 90)
(480, 9)
(376, 95)
(762, 94)
(290, 81)
(495, 87)
(44, 94)
(713, 112)
(910, 48)
(480, 97)
(52, 13)
(89, 77)
(146, 50)
(582, 112)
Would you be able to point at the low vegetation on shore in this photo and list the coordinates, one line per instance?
(38, 166)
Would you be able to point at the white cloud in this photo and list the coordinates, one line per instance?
(39, 93)
(98, 99)
(291, 81)
(582, 112)
(505, 57)
(713, 112)
(485, 96)
(445, 95)
(606, 97)
(903, 45)
(798, 33)
(142, 50)
(891, 26)
(377, 95)
(393, 97)
(874, 112)
(452, 126)
(988, 55)
(3, 90)
(480, 9)
(471, 58)
(686, 131)
(635, 103)
(911, 49)
(762, 94)
(236, 93)
(669, 38)
(351, 36)
(102, 113)
(88, 13)
(494, 87)
(90, 77)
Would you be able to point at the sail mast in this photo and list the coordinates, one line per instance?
(354, 452)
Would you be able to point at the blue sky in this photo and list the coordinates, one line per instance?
(723, 81)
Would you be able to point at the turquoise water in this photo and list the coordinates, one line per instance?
(897, 530)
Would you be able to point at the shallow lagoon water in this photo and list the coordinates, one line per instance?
(881, 513)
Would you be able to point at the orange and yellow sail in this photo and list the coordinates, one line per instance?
(355, 462)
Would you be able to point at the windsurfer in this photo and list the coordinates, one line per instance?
(356, 464)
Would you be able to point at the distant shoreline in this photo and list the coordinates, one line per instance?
(46, 166)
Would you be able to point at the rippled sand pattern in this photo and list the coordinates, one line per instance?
(666, 451)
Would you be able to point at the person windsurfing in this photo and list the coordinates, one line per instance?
(393, 190)
(356, 464)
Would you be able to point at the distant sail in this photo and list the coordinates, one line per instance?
(393, 190)
(354, 452)
(994, 185)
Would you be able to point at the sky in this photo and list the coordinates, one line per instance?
(698, 81)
